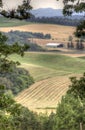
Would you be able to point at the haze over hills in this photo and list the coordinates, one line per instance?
(47, 12)
(50, 12)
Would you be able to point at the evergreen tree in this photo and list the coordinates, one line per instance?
(77, 45)
(81, 43)
(70, 43)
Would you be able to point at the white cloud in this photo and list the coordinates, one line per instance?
(35, 3)
(47, 3)
(11, 3)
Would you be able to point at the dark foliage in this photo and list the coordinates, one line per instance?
(26, 38)
(16, 81)
(67, 21)
(13, 116)
(22, 11)
(75, 6)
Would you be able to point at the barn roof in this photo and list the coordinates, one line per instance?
(52, 44)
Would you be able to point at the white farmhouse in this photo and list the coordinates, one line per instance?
(54, 45)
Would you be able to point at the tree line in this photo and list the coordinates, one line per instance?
(61, 20)
(26, 38)
(79, 44)
(27, 35)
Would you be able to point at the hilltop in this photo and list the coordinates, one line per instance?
(50, 12)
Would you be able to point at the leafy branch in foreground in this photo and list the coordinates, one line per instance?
(71, 111)
(75, 6)
(22, 11)
(6, 50)
(14, 116)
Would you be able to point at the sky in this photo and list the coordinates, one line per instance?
(35, 3)
(47, 3)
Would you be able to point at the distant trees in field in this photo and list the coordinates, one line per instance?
(26, 38)
(22, 37)
(79, 44)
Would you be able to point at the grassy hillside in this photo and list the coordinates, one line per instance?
(58, 32)
(53, 61)
(52, 72)
(7, 22)
(40, 73)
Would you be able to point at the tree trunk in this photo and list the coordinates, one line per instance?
(81, 126)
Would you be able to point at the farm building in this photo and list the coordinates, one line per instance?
(54, 45)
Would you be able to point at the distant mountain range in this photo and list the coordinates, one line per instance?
(47, 12)
(50, 12)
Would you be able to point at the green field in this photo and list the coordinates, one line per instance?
(42, 65)
(7, 22)
(51, 73)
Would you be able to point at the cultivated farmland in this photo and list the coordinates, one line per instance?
(58, 32)
(51, 73)
(44, 95)
(53, 61)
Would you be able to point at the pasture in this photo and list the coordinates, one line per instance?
(59, 33)
(57, 62)
(7, 22)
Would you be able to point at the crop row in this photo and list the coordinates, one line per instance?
(46, 93)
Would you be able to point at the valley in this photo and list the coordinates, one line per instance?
(50, 70)
(42, 65)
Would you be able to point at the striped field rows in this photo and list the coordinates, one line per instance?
(44, 94)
